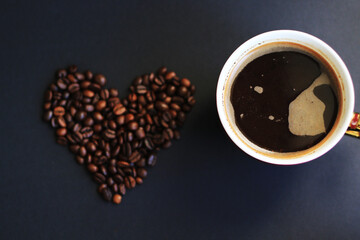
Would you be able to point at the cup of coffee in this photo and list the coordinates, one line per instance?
(285, 97)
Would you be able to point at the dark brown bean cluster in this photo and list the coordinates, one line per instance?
(117, 139)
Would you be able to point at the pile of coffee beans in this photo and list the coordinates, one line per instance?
(117, 139)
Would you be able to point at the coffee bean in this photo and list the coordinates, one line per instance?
(61, 122)
(113, 92)
(119, 109)
(149, 144)
(98, 117)
(140, 133)
(182, 91)
(161, 106)
(80, 115)
(100, 79)
(141, 89)
(62, 141)
(74, 87)
(92, 168)
(139, 180)
(61, 84)
(130, 182)
(82, 151)
(106, 193)
(115, 188)
(74, 148)
(88, 93)
(95, 87)
(151, 161)
(104, 94)
(47, 115)
(59, 111)
(133, 125)
(118, 178)
(48, 96)
(99, 178)
(117, 198)
(90, 146)
(122, 188)
(61, 132)
(88, 121)
(100, 105)
(80, 160)
(110, 134)
(191, 100)
(170, 75)
(141, 172)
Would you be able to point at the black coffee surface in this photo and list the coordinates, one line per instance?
(261, 95)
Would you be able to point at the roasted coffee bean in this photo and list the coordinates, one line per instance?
(61, 121)
(118, 178)
(86, 132)
(133, 125)
(110, 134)
(61, 84)
(48, 115)
(62, 141)
(122, 188)
(151, 161)
(74, 148)
(130, 182)
(82, 151)
(140, 133)
(61, 73)
(100, 105)
(141, 89)
(149, 144)
(61, 132)
(80, 115)
(72, 68)
(106, 193)
(115, 188)
(92, 168)
(91, 147)
(95, 87)
(123, 164)
(170, 75)
(119, 109)
(113, 92)
(80, 160)
(139, 180)
(88, 121)
(74, 87)
(99, 178)
(48, 96)
(104, 94)
(141, 172)
(100, 79)
(59, 111)
(98, 117)
(161, 106)
(191, 100)
(88, 93)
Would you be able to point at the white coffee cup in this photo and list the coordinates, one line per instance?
(255, 47)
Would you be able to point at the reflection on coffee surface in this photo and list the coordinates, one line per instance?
(284, 101)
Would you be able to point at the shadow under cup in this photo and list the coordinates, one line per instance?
(276, 41)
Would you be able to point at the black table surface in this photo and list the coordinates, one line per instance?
(203, 187)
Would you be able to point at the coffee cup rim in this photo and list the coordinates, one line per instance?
(304, 39)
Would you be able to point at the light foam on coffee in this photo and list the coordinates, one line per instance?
(306, 111)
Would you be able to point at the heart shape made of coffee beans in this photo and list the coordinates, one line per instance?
(117, 139)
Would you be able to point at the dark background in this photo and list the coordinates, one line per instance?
(203, 187)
